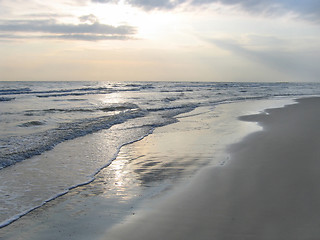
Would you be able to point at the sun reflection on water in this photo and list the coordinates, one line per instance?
(119, 180)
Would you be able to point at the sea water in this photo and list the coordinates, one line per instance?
(38, 120)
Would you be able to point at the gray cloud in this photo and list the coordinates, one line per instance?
(51, 29)
(159, 4)
(307, 9)
(89, 18)
(148, 4)
(83, 37)
(50, 26)
(91, 37)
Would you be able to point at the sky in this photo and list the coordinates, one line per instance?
(164, 40)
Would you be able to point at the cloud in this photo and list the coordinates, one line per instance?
(159, 4)
(88, 18)
(83, 37)
(51, 29)
(148, 4)
(307, 9)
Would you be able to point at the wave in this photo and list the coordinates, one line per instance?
(109, 108)
(91, 178)
(63, 95)
(17, 148)
(48, 139)
(176, 90)
(170, 99)
(14, 149)
(14, 91)
(116, 107)
(31, 124)
(76, 91)
(83, 92)
(87, 90)
(166, 108)
(6, 99)
(140, 86)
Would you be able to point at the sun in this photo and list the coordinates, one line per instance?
(149, 24)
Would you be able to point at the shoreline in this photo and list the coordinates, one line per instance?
(268, 190)
(33, 227)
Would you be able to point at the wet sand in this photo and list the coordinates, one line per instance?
(270, 188)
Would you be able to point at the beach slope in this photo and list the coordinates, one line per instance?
(270, 188)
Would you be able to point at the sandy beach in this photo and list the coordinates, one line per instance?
(263, 186)
(160, 120)
(268, 190)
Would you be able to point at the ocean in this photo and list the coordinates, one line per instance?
(38, 118)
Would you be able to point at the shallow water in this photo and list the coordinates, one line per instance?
(79, 129)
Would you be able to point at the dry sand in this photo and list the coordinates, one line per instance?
(270, 189)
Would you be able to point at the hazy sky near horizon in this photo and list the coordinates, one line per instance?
(164, 40)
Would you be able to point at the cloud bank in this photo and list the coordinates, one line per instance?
(89, 29)
(307, 9)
